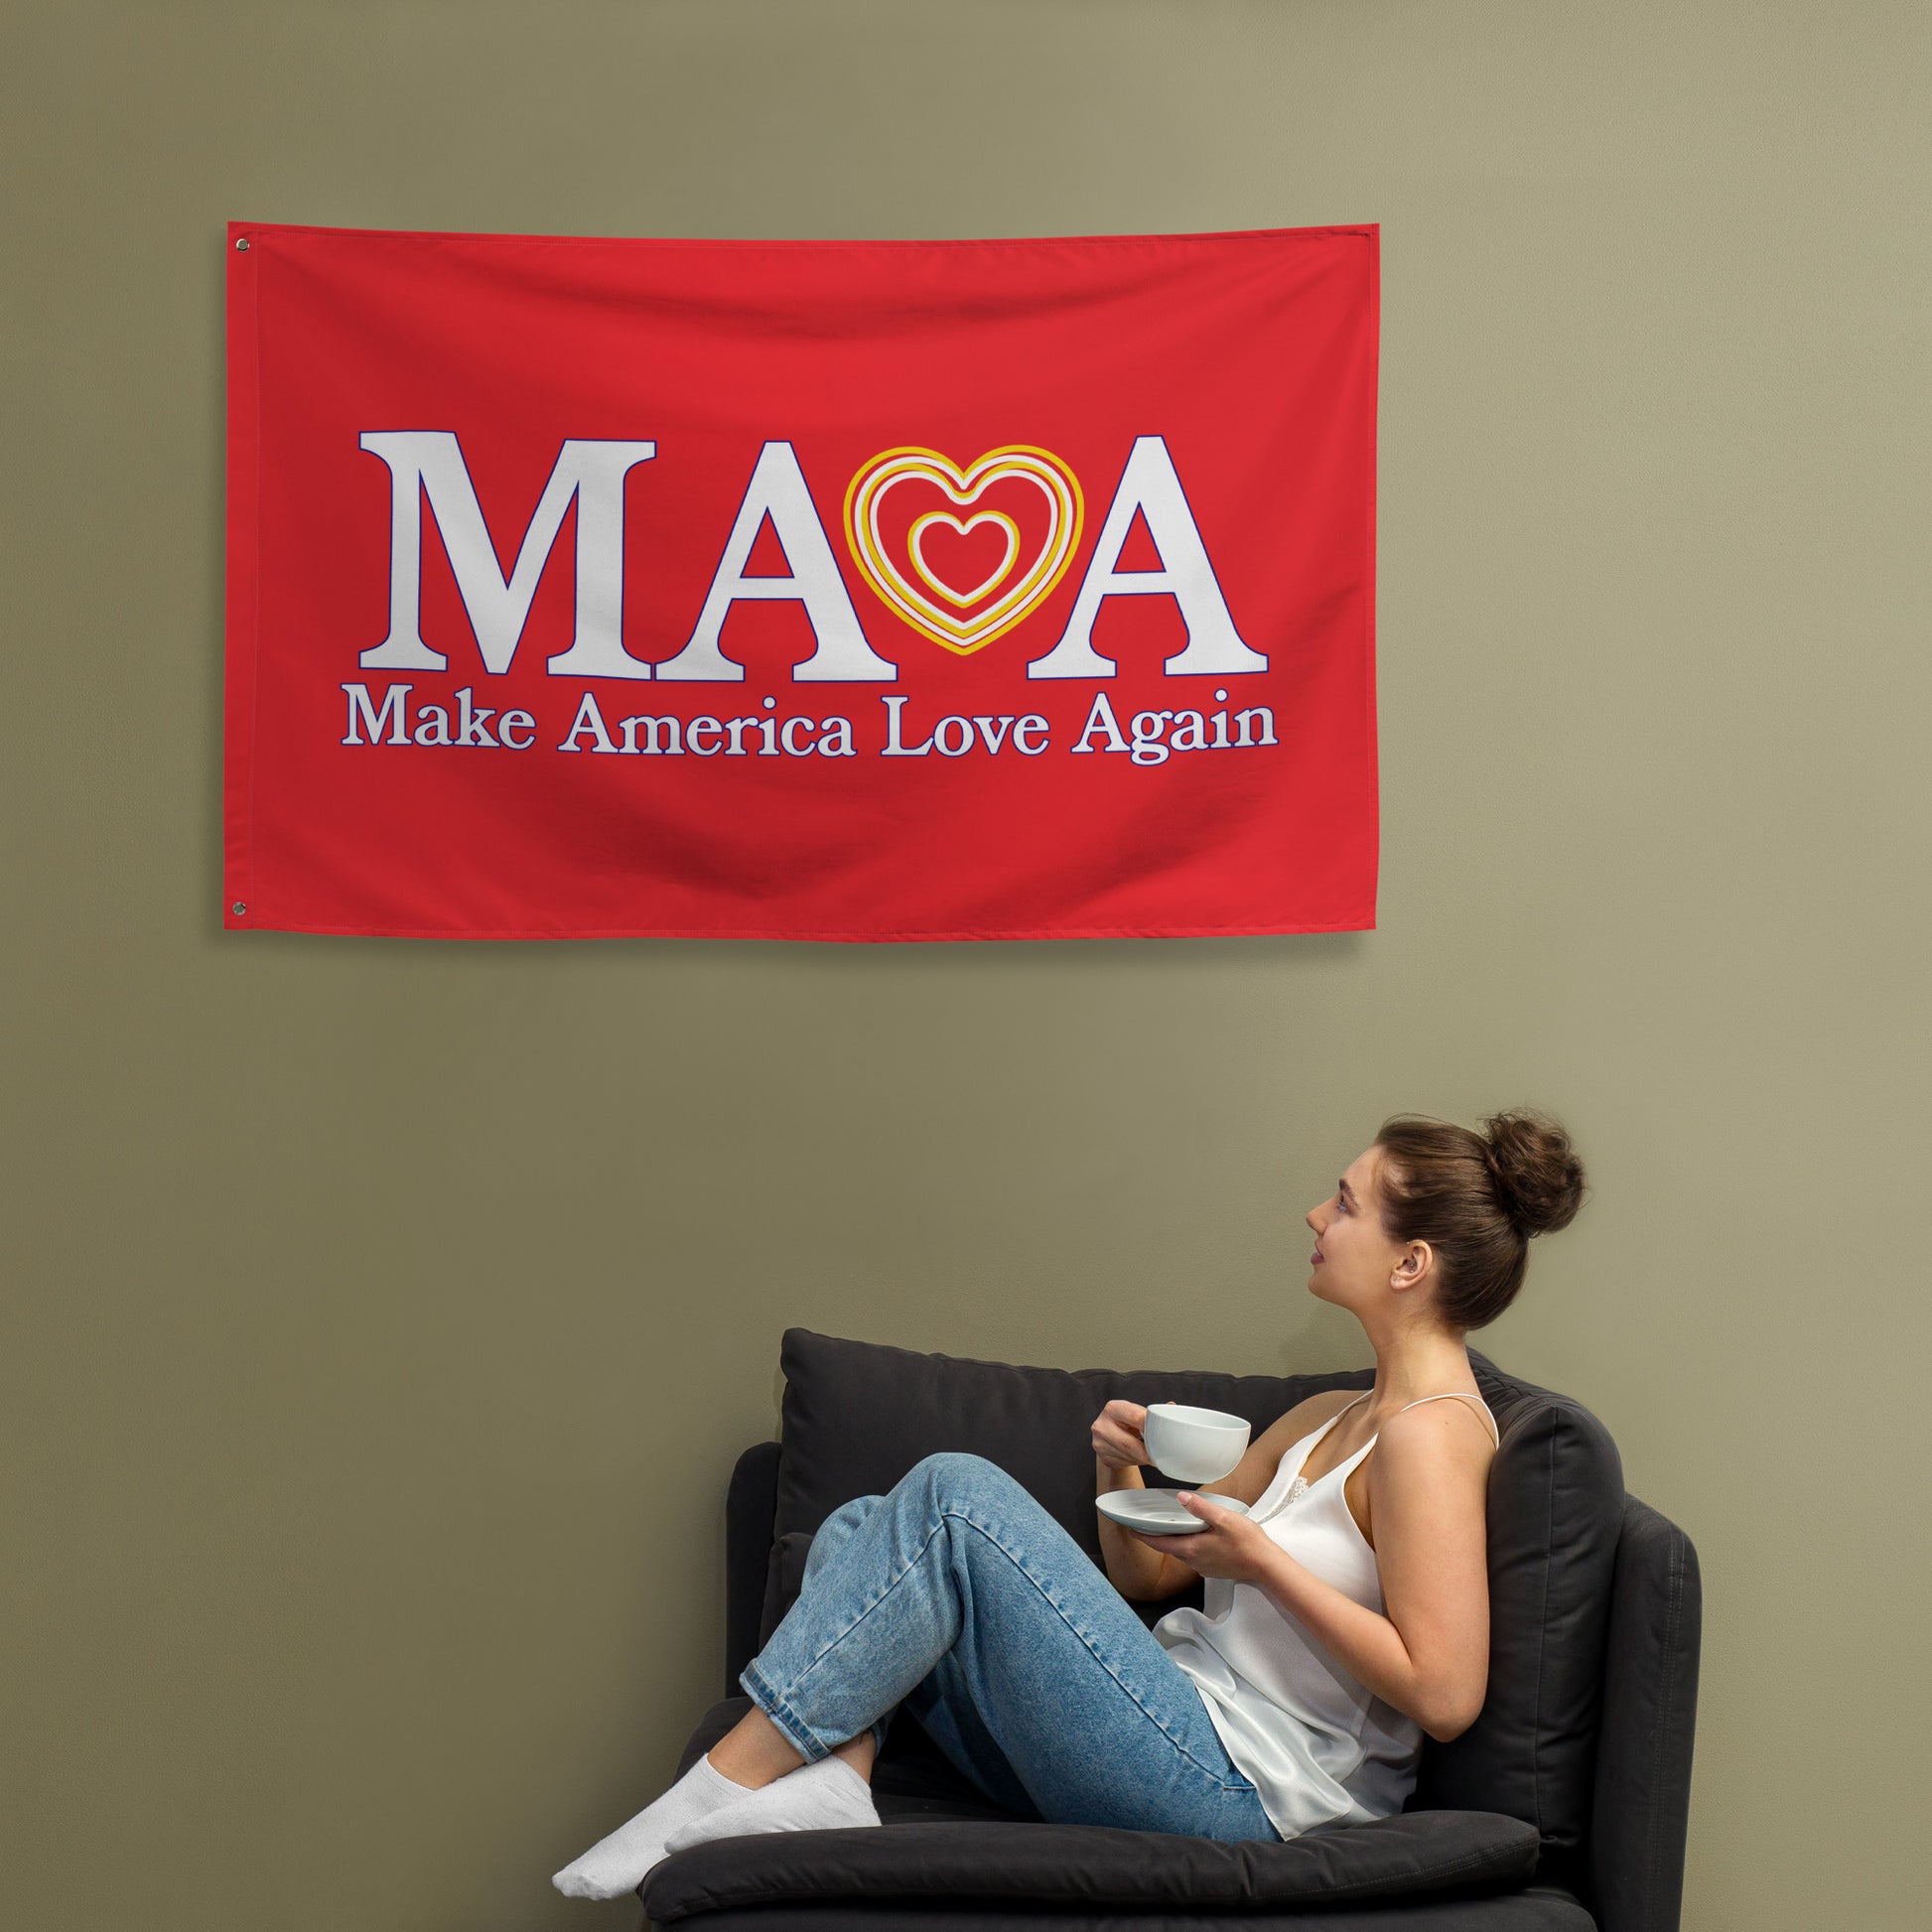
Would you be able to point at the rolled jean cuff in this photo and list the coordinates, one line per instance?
(800, 1737)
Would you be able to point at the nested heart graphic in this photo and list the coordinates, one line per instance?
(895, 562)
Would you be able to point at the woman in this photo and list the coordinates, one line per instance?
(1346, 1615)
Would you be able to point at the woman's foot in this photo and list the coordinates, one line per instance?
(617, 1863)
(827, 1796)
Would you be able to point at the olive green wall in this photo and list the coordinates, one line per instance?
(382, 1318)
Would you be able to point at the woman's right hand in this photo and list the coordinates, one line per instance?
(1117, 1436)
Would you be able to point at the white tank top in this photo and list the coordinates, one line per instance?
(1318, 1745)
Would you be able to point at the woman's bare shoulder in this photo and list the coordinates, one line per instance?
(1256, 1469)
(1306, 1415)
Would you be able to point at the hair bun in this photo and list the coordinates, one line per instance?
(1537, 1172)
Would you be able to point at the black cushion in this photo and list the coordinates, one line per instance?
(1536, 1908)
(1090, 1866)
(913, 1785)
(857, 1415)
(1445, 1853)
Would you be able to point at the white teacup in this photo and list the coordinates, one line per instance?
(1193, 1444)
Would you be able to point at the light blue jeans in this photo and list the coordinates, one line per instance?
(960, 1596)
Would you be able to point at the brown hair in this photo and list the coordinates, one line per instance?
(1478, 1199)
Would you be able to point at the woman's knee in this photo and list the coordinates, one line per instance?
(957, 1475)
(836, 1528)
(848, 1516)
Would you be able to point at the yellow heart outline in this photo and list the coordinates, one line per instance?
(1041, 468)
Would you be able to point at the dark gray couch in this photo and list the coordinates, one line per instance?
(1562, 1808)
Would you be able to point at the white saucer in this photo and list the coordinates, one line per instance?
(1154, 1512)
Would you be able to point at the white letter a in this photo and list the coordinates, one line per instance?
(777, 490)
(1214, 647)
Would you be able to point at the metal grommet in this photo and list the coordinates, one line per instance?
(241, 244)
(238, 907)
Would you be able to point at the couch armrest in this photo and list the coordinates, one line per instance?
(751, 1504)
(1641, 1811)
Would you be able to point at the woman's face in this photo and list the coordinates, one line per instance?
(1354, 1257)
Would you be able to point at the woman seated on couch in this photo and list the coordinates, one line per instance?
(1345, 1614)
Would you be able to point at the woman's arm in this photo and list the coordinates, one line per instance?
(1140, 1575)
(1429, 1655)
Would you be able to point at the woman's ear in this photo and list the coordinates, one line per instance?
(1413, 1266)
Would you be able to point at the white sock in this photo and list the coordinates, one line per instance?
(617, 1863)
(822, 1797)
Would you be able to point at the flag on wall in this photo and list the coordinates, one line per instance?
(800, 590)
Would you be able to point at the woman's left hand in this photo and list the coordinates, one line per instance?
(1232, 1546)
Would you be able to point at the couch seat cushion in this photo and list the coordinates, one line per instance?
(945, 1846)
(1096, 1866)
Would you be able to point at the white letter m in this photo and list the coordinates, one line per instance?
(429, 461)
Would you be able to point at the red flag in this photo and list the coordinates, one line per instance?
(800, 590)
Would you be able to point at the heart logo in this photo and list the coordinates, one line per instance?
(912, 555)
